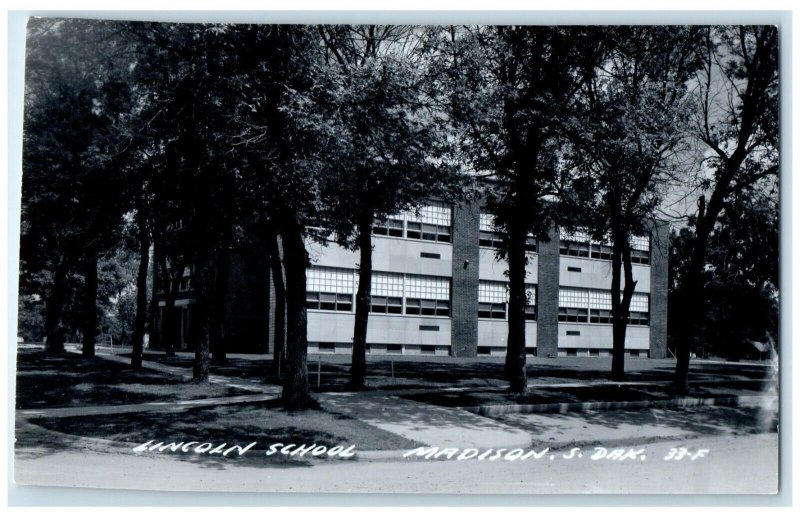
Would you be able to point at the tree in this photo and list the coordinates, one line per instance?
(627, 140)
(188, 171)
(737, 121)
(279, 172)
(73, 188)
(510, 89)
(384, 148)
(739, 282)
(116, 289)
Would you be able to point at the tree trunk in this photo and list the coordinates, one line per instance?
(691, 298)
(168, 319)
(358, 370)
(203, 289)
(154, 316)
(171, 285)
(89, 320)
(140, 321)
(217, 313)
(515, 367)
(620, 305)
(54, 310)
(279, 323)
(618, 329)
(295, 381)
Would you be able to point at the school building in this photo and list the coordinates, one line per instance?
(439, 289)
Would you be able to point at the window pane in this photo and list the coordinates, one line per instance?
(414, 230)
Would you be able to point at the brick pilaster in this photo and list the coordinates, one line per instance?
(659, 271)
(547, 297)
(464, 293)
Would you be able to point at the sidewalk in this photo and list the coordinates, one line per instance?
(425, 423)
(416, 421)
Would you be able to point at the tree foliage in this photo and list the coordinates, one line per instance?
(739, 285)
(77, 104)
(381, 142)
(737, 123)
(509, 90)
(626, 140)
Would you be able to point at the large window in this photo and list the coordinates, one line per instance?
(577, 305)
(493, 300)
(599, 306)
(392, 227)
(640, 250)
(574, 244)
(601, 251)
(639, 313)
(330, 289)
(530, 305)
(387, 293)
(427, 295)
(578, 244)
(430, 223)
(333, 289)
(573, 305)
(489, 238)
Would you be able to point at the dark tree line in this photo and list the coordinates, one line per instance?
(181, 143)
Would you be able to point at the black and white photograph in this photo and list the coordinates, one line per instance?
(407, 259)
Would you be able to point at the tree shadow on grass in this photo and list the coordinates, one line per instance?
(419, 372)
(68, 380)
(264, 423)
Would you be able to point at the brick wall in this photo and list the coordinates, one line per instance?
(659, 270)
(464, 295)
(547, 302)
(248, 309)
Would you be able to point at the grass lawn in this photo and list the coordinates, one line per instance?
(68, 380)
(603, 393)
(409, 372)
(264, 422)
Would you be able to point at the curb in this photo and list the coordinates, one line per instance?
(578, 407)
